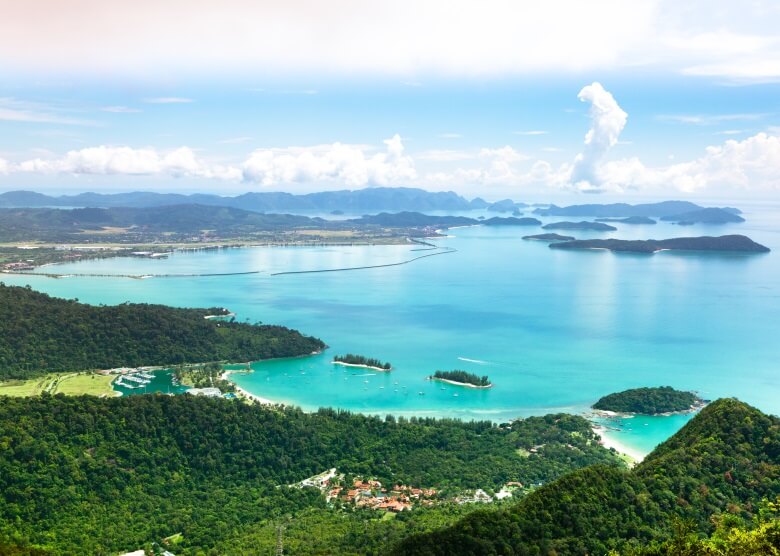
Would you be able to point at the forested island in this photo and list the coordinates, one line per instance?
(550, 237)
(584, 225)
(361, 361)
(730, 243)
(462, 378)
(511, 221)
(620, 210)
(649, 401)
(40, 334)
(705, 216)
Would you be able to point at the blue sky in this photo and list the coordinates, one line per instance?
(480, 101)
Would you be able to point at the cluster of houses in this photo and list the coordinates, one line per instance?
(371, 494)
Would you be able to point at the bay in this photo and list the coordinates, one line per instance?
(554, 330)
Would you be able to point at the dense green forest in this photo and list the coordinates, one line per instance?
(352, 359)
(41, 334)
(463, 377)
(648, 401)
(722, 464)
(93, 475)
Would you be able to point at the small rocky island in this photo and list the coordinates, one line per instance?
(730, 243)
(462, 378)
(352, 360)
(550, 237)
(584, 225)
(650, 401)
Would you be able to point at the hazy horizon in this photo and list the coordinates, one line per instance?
(562, 102)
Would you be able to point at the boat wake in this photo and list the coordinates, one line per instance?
(477, 361)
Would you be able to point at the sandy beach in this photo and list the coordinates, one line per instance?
(609, 440)
(380, 369)
(243, 393)
(456, 383)
(258, 399)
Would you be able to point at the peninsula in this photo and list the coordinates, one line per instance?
(584, 225)
(352, 360)
(650, 401)
(462, 378)
(40, 335)
(730, 243)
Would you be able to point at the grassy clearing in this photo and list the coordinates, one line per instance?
(72, 384)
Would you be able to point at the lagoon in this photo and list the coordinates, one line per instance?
(554, 330)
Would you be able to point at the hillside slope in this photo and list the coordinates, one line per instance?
(724, 461)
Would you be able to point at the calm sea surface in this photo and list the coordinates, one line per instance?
(554, 330)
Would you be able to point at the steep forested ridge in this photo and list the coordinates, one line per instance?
(92, 475)
(40, 334)
(723, 462)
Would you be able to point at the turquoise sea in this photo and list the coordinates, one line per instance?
(554, 330)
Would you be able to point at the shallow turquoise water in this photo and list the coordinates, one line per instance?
(554, 330)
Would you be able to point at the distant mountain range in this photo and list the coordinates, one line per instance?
(662, 209)
(369, 199)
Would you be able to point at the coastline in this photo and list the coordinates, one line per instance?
(456, 383)
(255, 398)
(693, 409)
(379, 369)
(609, 441)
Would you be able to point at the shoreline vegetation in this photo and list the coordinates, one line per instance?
(462, 378)
(352, 360)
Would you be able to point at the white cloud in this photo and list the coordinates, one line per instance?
(168, 100)
(736, 41)
(445, 155)
(4, 166)
(750, 164)
(120, 109)
(607, 122)
(105, 160)
(530, 132)
(450, 136)
(710, 119)
(348, 164)
(14, 110)
(308, 36)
